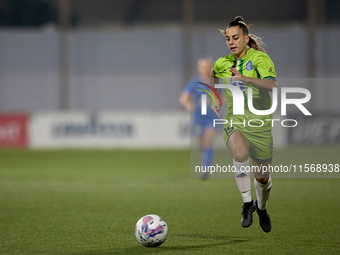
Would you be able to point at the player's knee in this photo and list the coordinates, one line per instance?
(241, 156)
(207, 144)
(262, 180)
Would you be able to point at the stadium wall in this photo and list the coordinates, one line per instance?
(141, 65)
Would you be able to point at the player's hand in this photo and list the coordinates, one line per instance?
(238, 76)
(216, 108)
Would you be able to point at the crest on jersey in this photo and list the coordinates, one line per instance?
(249, 65)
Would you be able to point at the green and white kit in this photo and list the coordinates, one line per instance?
(254, 64)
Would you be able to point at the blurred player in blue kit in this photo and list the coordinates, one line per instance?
(202, 124)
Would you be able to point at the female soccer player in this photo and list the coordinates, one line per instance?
(248, 66)
(203, 124)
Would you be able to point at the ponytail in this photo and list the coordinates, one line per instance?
(256, 43)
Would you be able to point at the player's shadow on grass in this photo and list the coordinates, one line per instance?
(224, 240)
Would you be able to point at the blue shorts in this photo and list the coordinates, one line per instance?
(201, 123)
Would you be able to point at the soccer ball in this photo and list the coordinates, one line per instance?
(151, 230)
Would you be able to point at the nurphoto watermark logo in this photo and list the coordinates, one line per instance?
(239, 101)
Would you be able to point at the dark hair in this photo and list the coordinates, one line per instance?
(254, 41)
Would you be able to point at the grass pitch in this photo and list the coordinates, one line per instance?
(88, 202)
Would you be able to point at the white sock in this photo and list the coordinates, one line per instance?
(243, 180)
(262, 192)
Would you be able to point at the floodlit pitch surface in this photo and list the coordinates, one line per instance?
(88, 202)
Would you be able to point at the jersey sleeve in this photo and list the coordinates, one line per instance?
(217, 69)
(265, 67)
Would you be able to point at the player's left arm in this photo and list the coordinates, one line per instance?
(267, 84)
(265, 68)
(214, 80)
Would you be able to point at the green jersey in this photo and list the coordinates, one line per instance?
(254, 64)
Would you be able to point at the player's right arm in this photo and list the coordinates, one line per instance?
(184, 99)
(214, 107)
